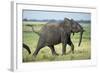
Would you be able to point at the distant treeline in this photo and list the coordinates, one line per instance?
(53, 20)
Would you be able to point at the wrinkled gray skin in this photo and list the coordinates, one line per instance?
(59, 32)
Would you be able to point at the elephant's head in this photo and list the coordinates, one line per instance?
(76, 27)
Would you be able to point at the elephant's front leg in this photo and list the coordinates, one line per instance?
(72, 47)
(71, 44)
(64, 43)
(63, 48)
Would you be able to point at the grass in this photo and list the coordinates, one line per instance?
(81, 53)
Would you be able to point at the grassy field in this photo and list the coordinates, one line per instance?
(81, 53)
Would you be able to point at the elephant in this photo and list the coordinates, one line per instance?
(54, 33)
(27, 48)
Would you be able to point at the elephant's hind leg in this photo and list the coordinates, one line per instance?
(53, 50)
(39, 46)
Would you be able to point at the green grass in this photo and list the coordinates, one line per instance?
(81, 53)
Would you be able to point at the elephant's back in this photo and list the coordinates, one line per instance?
(51, 26)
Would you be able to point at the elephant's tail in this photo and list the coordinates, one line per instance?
(27, 48)
(33, 29)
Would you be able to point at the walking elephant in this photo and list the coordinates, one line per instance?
(54, 33)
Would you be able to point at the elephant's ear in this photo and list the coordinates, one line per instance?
(72, 21)
(67, 22)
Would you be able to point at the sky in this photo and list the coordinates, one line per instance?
(42, 15)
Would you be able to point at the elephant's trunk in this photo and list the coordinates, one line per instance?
(80, 40)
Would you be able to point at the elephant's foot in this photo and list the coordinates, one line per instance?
(63, 54)
(56, 54)
(34, 55)
(70, 52)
